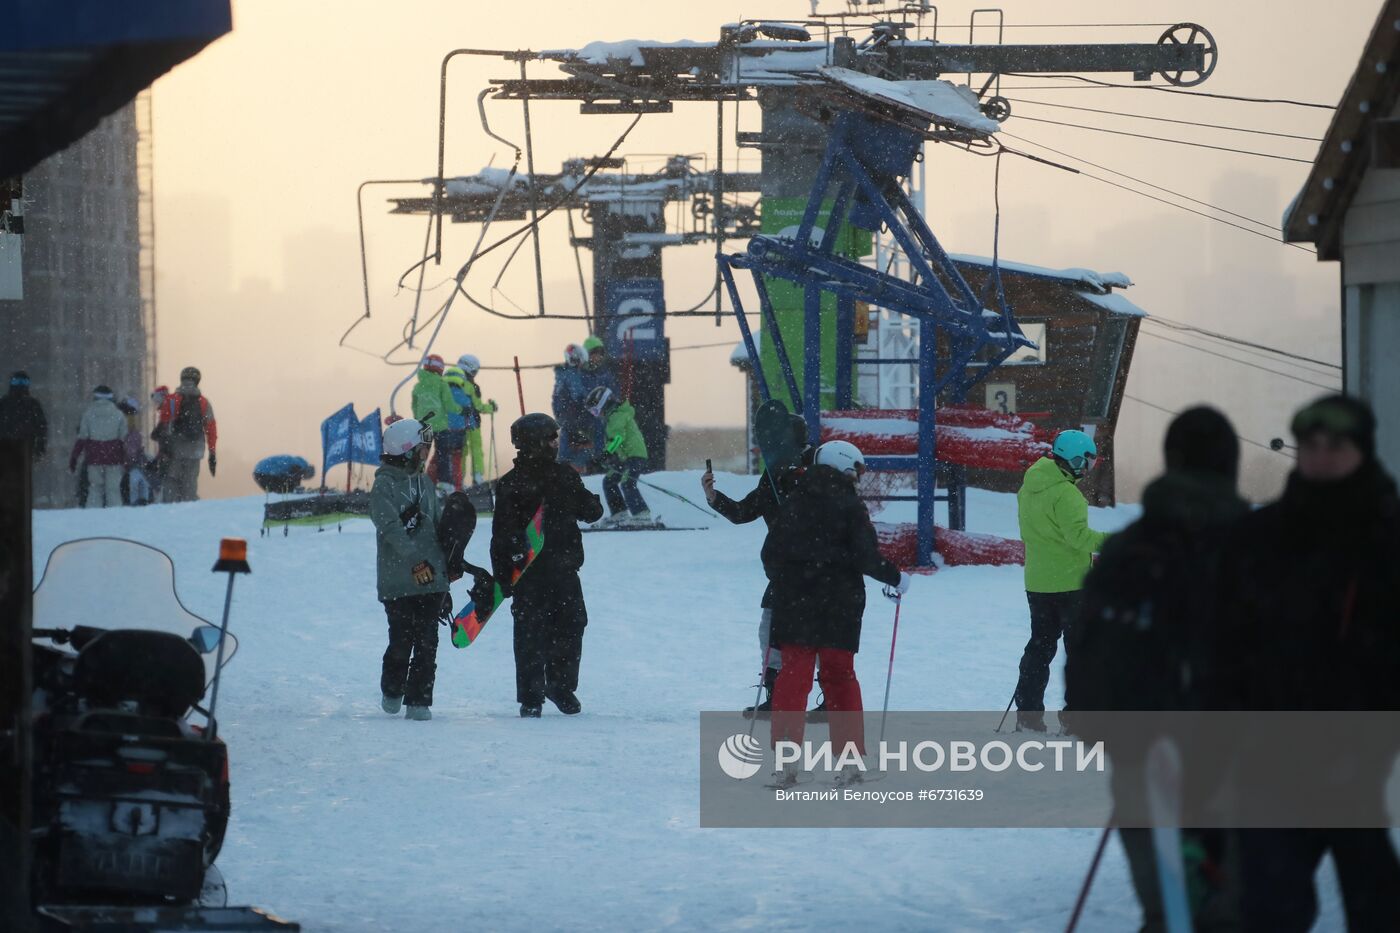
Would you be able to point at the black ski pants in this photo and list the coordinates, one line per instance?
(549, 621)
(410, 661)
(1278, 867)
(1051, 616)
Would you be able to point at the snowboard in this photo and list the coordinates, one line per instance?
(772, 429)
(1164, 804)
(469, 622)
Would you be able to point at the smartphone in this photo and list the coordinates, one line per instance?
(708, 468)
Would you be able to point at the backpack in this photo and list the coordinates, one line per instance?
(188, 423)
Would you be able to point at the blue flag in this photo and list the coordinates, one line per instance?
(368, 440)
(337, 433)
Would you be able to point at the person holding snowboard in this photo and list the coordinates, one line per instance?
(820, 545)
(624, 456)
(763, 502)
(410, 568)
(1060, 546)
(548, 605)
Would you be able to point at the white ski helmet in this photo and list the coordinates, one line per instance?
(574, 355)
(843, 456)
(401, 437)
(470, 364)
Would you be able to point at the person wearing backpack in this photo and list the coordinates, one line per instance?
(190, 428)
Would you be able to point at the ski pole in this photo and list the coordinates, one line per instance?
(1007, 712)
(889, 674)
(1088, 880)
(676, 495)
(519, 387)
(758, 694)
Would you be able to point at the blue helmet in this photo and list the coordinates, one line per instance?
(1076, 449)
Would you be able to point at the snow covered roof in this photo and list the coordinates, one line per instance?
(628, 50)
(1097, 282)
(740, 355)
(941, 101)
(1114, 303)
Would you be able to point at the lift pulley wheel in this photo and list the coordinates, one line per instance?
(1187, 34)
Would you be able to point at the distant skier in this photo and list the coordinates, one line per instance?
(158, 467)
(763, 502)
(138, 488)
(548, 605)
(471, 366)
(22, 417)
(1309, 605)
(454, 438)
(189, 430)
(410, 568)
(1144, 635)
(433, 405)
(1060, 545)
(595, 372)
(820, 545)
(100, 449)
(624, 457)
(575, 426)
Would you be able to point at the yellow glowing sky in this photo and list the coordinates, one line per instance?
(262, 139)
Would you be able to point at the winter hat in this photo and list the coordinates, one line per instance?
(592, 343)
(190, 374)
(433, 363)
(102, 392)
(1341, 415)
(160, 394)
(1202, 440)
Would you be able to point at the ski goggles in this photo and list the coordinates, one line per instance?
(19, 381)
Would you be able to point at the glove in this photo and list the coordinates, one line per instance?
(213, 463)
(423, 573)
(897, 591)
(491, 406)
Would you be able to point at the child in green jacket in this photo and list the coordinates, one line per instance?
(1060, 546)
(624, 457)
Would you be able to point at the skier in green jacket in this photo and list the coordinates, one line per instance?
(411, 569)
(1060, 546)
(433, 405)
(624, 457)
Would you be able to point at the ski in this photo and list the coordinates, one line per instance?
(808, 779)
(1164, 804)
(469, 622)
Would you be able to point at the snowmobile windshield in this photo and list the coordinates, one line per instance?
(113, 583)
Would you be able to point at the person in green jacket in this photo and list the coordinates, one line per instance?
(470, 366)
(410, 568)
(624, 456)
(1060, 546)
(433, 405)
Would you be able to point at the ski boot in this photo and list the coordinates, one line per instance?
(418, 713)
(785, 778)
(565, 700)
(529, 711)
(764, 710)
(1030, 720)
(849, 776)
(641, 518)
(391, 705)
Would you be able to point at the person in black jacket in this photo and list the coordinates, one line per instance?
(763, 503)
(1310, 612)
(548, 606)
(22, 417)
(820, 546)
(1143, 638)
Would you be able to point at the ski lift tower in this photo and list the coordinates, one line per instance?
(828, 87)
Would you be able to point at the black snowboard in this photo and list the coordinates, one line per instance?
(772, 429)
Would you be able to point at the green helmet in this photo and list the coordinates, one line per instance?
(592, 343)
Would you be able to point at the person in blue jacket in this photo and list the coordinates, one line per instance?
(458, 424)
(575, 430)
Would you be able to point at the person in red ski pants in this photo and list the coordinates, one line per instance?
(820, 546)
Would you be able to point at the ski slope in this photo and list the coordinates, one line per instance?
(346, 819)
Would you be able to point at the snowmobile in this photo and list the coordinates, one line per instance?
(131, 792)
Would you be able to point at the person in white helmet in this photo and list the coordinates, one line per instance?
(470, 366)
(411, 569)
(820, 546)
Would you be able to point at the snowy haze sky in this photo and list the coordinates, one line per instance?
(262, 139)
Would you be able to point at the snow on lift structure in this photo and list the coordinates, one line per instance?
(877, 130)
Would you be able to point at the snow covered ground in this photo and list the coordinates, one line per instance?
(346, 819)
